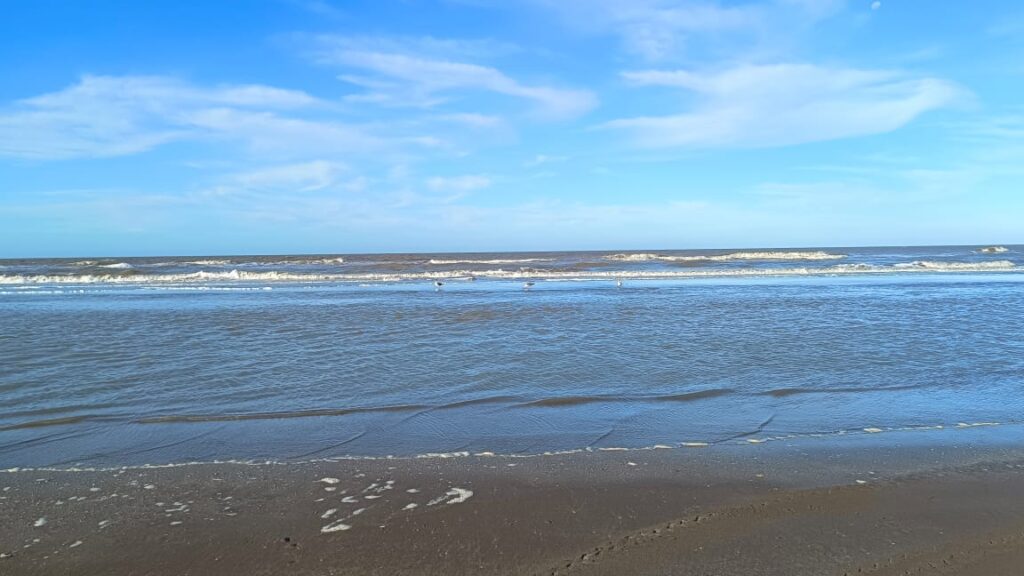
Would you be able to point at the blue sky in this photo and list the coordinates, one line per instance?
(312, 126)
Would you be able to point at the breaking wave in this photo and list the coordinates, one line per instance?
(740, 256)
(440, 262)
(956, 266)
(994, 250)
(502, 274)
(202, 262)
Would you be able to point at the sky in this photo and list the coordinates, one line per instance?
(329, 126)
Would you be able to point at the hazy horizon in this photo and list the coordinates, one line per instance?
(555, 251)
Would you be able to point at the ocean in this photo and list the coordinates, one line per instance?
(126, 361)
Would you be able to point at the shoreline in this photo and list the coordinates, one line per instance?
(881, 506)
(992, 434)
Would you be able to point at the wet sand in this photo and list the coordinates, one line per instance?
(866, 506)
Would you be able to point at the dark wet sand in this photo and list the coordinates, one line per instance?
(861, 507)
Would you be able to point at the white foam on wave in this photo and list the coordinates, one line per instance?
(291, 261)
(956, 266)
(440, 262)
(118, 266)
(338, 260)
(815, 255)
(198, 263)
(501, 274)
(763, 255)
(994, 250)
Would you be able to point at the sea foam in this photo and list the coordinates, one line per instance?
(763, 255)
(502, 274)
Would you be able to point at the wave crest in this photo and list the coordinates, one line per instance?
(440, 262)
(236, 275)
(956, 266)
(734, 256)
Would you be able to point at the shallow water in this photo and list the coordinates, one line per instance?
(198, 365)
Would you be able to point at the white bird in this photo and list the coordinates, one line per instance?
(618, 283)
(527, 285)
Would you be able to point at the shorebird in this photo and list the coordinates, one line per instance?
(438, 284)
(618, 283)
(527, 285)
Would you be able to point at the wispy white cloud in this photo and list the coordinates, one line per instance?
(102, 116)
(662, 29)
(301, 177)
(266, 132)
(472, 120)
(541, 159)
(466, 183)
(405, 74)
(779, 105)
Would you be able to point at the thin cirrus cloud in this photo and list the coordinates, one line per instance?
(665, 29)
(784, 104)
(281, 181)
(429, 74)
(463, 184)
(300, 176)
(105, 116)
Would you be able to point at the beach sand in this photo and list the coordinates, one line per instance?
(867, 506)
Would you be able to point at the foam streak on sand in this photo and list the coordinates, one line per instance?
(336, 526)
(460, 495)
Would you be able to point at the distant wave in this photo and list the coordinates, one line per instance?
(994, 250)
(956, 266)
(439, 262)
(284, 262)
(200, 263)
(816, 255)
(784, 256)
(241, 261)
(501, 274)
(337, 260)
(118, 266)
